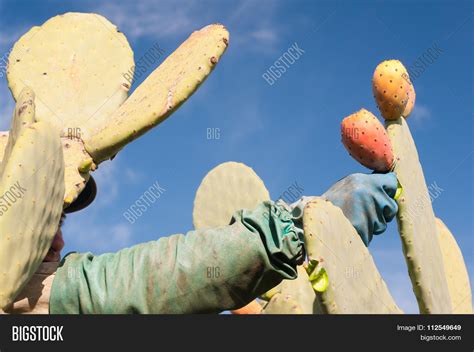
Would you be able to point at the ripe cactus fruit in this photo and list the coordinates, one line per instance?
(456, 272)
(225, 189)
(390, 87)
(76, 65)
(33, 172)
(355, 284)
(417, 226)
(366, 141)
(174, 81)
(411, 101)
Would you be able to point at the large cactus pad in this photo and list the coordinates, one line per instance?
(417, 226)
(77, 64)
(456, 271)
(355, 284)
(225, 189)
(170, 85)
(31, 193)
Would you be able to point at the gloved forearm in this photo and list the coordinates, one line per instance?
(206, 271)
(366, 201)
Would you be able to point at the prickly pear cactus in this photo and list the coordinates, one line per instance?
(417, 226)
(225, 189)
(32, 189)
(162, 92)
(79, 66)
(293, 297)
(355, 284)
(456, 271)
(282, 304)
(75, 63)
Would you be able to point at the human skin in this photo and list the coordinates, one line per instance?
(54, 252)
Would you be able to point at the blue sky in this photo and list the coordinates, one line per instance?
(288, 131)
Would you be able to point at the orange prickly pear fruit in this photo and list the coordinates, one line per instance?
(411, 101)
(366, 141)
(391, 88)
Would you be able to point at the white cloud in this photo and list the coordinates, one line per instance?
(107, 178)
(165, 18)
(7, 105)
(82, 232)
(149, 18)
(420, 113)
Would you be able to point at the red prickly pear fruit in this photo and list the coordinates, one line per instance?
(367, 141)
(391, 87)
(411, 101)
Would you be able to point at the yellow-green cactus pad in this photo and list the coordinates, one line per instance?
(300, 290)
(23, 116)
(355, 285)
(417, 226)
(282, 304)
(31, 201)
(77, 165)
(226, 188)
(456, 272)
(174, 81)
(76, 63)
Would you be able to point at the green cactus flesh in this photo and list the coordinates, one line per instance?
(76, 64)
(170, 85)
(225, 189)
(355, 285)
(456, 271)
(282, 304)
(31, 191)
(417, 226)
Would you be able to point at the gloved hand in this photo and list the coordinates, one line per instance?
(366, 201)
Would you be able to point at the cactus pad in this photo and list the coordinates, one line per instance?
(174, 81)
(355, 284)
(226, 188)
(33, 172)
(282, 304)
(456, 272)
(417, 226)
(76, 64)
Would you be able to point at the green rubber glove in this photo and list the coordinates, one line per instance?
(206, 271)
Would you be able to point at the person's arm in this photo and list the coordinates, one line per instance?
(206, 271)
